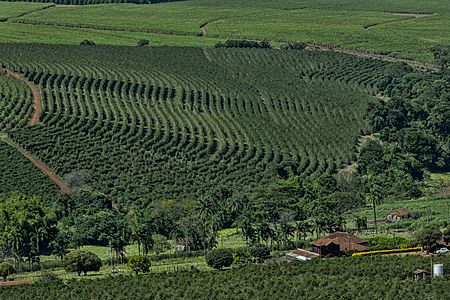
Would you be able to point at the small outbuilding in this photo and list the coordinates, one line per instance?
(420, 274)
(302, 255)
(401, 214)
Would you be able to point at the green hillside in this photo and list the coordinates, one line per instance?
(175, 122)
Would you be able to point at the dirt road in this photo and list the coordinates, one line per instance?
(36, 94)
(40, 165)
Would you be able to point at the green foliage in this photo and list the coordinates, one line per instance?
(16, 104)
(385, 168)
(20, 175)
(87, 43)
(244, 44)
(372, 26)
(139, 264)
(441, 56)
(219, 258)
(27, 225)
(82, 262)
(294, 46)
(389, 243)
(428, 235)
(415, 121)
(89, 2)
(17, 9)
(179, 106)
(260, 252)
(6, 269)
(351, 277)
(49, 279)
(142, 43)
(161, 244)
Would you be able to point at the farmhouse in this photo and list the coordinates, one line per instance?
(339, 243)
(401, 214)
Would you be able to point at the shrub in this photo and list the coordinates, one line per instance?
(389, 243)
(139, 263)
(241, 257)
(219, 258)
(244, 44)
(143, 42)
(82, 262)
(87, 43)
(260, 252)
(428, 235)
(6, 269)
(49, 278)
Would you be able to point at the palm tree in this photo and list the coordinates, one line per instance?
(373, 198)
(16, 239)
(264, 232)
(244, 222)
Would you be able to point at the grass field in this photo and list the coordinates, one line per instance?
(42, 34)
(14, 9)
(389, 27)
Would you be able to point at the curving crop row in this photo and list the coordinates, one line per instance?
(169, 123)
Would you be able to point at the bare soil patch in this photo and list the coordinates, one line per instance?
(15, 282)
(445, 191)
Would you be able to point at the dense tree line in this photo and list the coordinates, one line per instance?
(279, 216)
(413, 127)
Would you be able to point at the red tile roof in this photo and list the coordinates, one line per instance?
(345, 241)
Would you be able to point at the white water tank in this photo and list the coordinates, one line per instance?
(438, 270)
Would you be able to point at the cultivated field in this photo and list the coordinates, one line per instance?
(19, 175)
(201, 141)
(397, 28)
(174, 122)
(16, 9)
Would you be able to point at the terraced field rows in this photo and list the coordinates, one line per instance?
(176, 127)
(16, 104)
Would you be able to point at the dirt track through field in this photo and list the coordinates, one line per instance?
(40, 165)
(15, 282)
(34, 120)
(37, 98)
